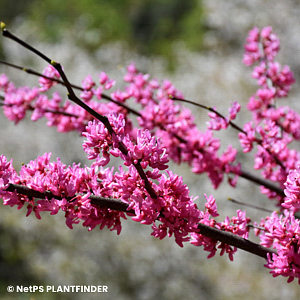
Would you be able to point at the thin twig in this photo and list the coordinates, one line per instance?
(258, 141)
(210, 109)
(259, 181)
(74, 86)
(249, 205)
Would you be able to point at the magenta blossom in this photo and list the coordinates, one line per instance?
(45, 83)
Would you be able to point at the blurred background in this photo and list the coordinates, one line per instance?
(198, 45)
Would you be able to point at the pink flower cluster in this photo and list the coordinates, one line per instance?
(282, 233)
(272, 128)
(274, 81)
(292, 190)
(236, 225)
(265, 38)
(217, 122)
(66, 117)
(88, 83)
(146, 150)
(47, 82)
(67, 183)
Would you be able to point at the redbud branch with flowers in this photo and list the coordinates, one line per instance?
(98, 195)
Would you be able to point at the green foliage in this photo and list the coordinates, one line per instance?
(161, 22)
(10, 9)
(80, 19)
(157, 25)
(193, 28)
(150, 27)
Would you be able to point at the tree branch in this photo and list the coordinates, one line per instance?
(234, 240)
(112, 203)
(262, 182)
(118, 205)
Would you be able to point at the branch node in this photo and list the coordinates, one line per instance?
(3, 26)
(54, 63)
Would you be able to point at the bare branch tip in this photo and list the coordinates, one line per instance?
(3, 26)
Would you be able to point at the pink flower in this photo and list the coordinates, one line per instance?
(217, 122)
(106, 81)
(7, 173)
(233, 110)
(4, 82)
(282, 79)
(17, 102)
(292, 190)
(211, 206)
(41, 106)
(248, 138)
(252, 53)
(87, 85)
(98, 141)
(237, 225)
(270, 43)
(45, 83)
